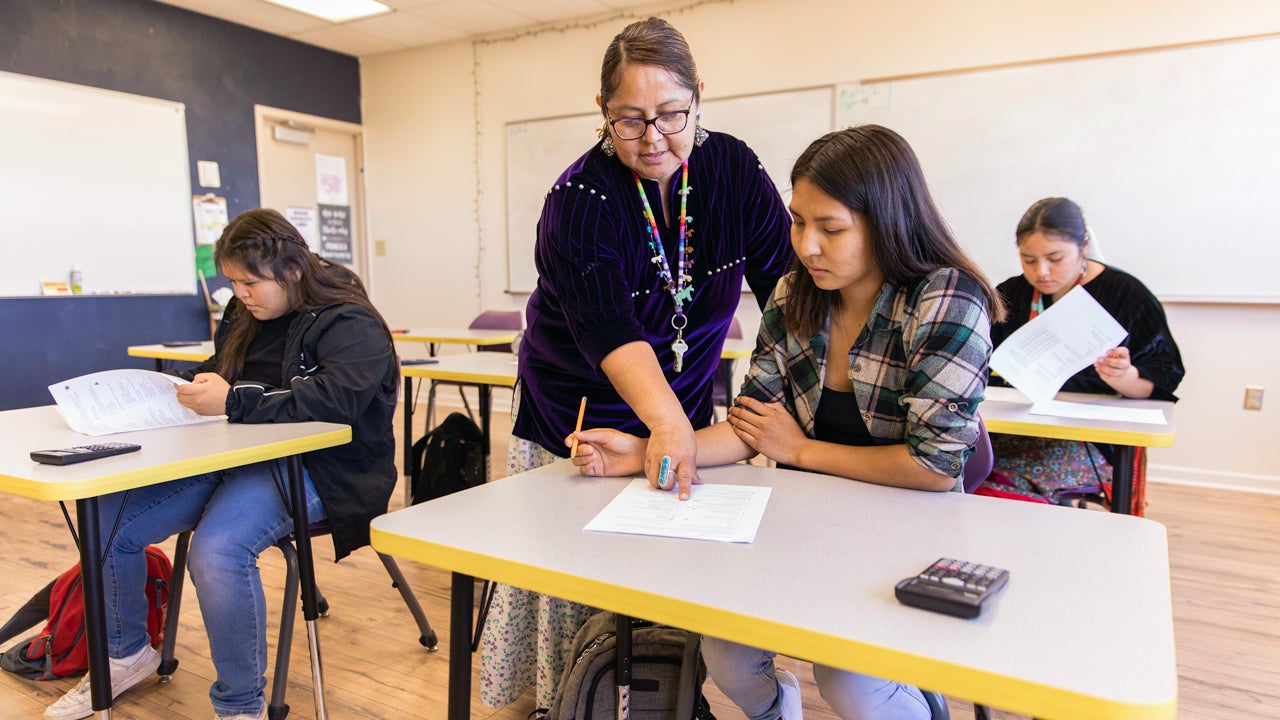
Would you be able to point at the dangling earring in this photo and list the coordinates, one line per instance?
(699, 136)
(606, 146)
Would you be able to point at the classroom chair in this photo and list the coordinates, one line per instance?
(277, 709)
(487, 320)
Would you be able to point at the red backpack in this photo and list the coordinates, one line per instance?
(61, 649)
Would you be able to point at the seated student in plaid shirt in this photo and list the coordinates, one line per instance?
(870, 364)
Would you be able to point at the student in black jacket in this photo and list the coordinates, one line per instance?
(301, 341)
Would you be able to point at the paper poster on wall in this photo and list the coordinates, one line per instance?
(210, 213)
(331, 180)
(335, 233)
(211, 217)
(304, 219)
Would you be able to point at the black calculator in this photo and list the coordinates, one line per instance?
(81, 453)
(953, 587)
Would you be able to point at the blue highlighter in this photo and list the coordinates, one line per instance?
(663, 471)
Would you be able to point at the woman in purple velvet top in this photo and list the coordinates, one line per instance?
(642, 249)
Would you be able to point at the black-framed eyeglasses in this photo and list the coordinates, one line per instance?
(667, 123)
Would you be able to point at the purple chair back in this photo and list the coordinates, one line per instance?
(979, 464)
(497, 320)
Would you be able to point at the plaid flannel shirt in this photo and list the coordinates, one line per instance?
(918, 367)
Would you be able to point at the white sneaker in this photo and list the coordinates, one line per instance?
(125, 673)
(260, 715)
(789, 700)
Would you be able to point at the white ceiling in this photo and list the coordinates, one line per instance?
(412, 24)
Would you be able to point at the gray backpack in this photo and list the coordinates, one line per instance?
(666, 674)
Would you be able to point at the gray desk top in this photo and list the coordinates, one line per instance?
(1083, 628)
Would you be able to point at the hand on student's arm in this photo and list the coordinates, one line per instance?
(634, 371)
(1116, 370)
(206, 394)
(767, 428)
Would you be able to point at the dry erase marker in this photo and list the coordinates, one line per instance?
(663, 471)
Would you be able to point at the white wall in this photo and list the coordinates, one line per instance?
(436, 176)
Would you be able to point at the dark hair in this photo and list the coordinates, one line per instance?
(1054, 216)
(268, 246)
(647, 42)
(874, 172)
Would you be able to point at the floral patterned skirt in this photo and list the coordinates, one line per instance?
(1045, 469)
(527, 635)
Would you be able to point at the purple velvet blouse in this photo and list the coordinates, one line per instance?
(598, 288)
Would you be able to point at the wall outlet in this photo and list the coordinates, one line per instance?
(380, 248)
(1252, 397)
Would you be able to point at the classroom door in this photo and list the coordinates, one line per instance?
(311, 169)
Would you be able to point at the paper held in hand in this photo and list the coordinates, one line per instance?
(115, 401)
(1042, 355)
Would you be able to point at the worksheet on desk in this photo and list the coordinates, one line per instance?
(727, 513)
(1063, 340)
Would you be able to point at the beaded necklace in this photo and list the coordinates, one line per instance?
(680, 286)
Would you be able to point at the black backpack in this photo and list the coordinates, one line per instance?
(447, 459)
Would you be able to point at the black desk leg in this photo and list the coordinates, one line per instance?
(486, 404)
(408, 428)
(1122, 480)
(462, 604)
(726, 375)
(307, 578)
(622, 664)
(95, 609)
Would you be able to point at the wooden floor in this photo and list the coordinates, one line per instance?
(1224, 548)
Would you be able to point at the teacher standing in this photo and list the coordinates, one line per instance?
(642, 249)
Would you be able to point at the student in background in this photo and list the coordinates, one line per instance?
(299, 342)
(1053, 244)
(642, 249)
(870, 364)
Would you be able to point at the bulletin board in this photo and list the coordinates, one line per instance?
(778, 126)
(1171, 152)
(97, 179)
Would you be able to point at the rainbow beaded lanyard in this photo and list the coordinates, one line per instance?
(680, 286)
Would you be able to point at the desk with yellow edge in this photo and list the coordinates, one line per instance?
(185, 352)
(818, 583)
(166, 454)
(1008, 411)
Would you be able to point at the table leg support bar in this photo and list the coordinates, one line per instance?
(306, 577)
(462, 604)
(95, 612)
(1122, 480)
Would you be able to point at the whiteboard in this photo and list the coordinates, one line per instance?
(777, 126)
(94, 178)
(1174, 155)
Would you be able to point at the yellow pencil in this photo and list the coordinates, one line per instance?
(582, 410)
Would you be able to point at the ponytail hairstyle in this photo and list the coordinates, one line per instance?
(268, 247)
(875, 173)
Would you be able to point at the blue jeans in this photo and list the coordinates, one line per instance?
(236, 514)
(745, 675)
